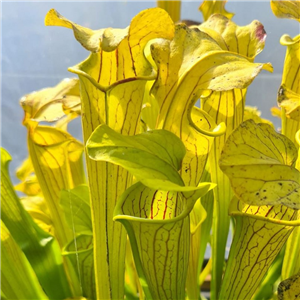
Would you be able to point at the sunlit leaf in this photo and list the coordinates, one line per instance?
(246, 40)
(259, 163)
(25, 169)
(57, 160)
(76, 207)
(18, 280)
(211, 7)
(108, 39)
(260, 233)
(112, 83)
(289, 288)
(286, 9)
(80, 252)
(38, 210)
(41, 250)
(195, 62)
(71, 106)
(153, 157)
(30, 186)
(47, 104)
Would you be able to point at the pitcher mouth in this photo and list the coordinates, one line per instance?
(77, 69)
(120, 216)
(294, 216)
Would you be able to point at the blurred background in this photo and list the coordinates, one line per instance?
(35, 56)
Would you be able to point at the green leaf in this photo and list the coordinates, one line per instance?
(259, 163)
(40, 248)
(76, 206)
(80, 252)
(153, 157)
(18, 280)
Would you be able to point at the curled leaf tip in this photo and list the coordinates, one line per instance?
(268, 67)
(54, 18)
(287, 40)
(217, 130)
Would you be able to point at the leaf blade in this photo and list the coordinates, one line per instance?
(259, 163)
(153, 165)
